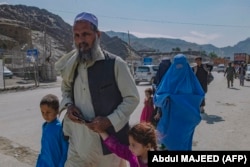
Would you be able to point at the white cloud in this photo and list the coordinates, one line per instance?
(4, 3)
(147, 35)
(193, 36)
(200, 38)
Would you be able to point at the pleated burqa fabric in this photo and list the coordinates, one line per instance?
(179, 95)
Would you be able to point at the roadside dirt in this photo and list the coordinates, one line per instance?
(17, 80)
(16, 84)
(21, 153)
(19, 84)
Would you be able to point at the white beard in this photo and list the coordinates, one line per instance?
(91, 54)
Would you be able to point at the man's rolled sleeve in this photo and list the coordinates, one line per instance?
(129, 93)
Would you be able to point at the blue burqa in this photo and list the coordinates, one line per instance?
(179, 95)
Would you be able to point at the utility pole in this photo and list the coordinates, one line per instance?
(44, 44)
(128, 39)
(130, 56)
(43, 58)
(129, 45)
(35, 59)
(30, 34)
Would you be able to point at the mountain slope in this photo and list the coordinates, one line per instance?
(20, 24)
(167, 44)
(39, 20)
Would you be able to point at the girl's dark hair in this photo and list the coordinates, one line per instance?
(50, 100)
(144, 133)
(149, 90)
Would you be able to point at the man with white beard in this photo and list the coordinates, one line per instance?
(99, 94)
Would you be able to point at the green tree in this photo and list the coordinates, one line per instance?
(212, 55)
(177, 49)
(203, 52)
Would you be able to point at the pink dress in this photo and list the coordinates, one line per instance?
(123, 151)
(147, 111)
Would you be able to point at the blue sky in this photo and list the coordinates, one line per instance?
(218, 22)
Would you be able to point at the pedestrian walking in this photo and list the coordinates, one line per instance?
(242, 73)
(201, 71)
(54, 147)
(148, 109)
(97, 89)
(230, 74)
(142, 138)
(179, 95)
(163, 68)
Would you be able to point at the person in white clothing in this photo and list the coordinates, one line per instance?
(99, 93)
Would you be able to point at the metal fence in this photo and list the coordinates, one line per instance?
(27, 70)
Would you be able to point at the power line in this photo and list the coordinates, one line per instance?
(165, 21)
(174, 22)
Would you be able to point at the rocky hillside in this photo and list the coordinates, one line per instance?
(24, 27)
(117, 46)
(38, 20)
(167, 44)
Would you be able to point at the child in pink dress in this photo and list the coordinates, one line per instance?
(148, 109)
(142, 138)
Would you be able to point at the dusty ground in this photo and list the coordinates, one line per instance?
(20, 84)
(17, 81)
(224, 126)
(7, 147)
(21, 153)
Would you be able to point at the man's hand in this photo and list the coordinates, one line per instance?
(72, 110)
(99, 124)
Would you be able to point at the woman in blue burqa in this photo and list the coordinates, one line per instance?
(179, 95)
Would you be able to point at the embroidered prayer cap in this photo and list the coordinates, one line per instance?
(84, 16)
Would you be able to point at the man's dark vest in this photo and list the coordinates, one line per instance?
(105, 94)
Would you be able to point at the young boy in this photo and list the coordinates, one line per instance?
(53, 146)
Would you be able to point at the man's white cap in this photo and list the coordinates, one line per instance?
(87, 17)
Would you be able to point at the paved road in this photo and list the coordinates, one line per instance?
(225, 126)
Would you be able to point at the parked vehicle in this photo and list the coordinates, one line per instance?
(7, 73)
(221, 68)
(145, 73)
(247, 76)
